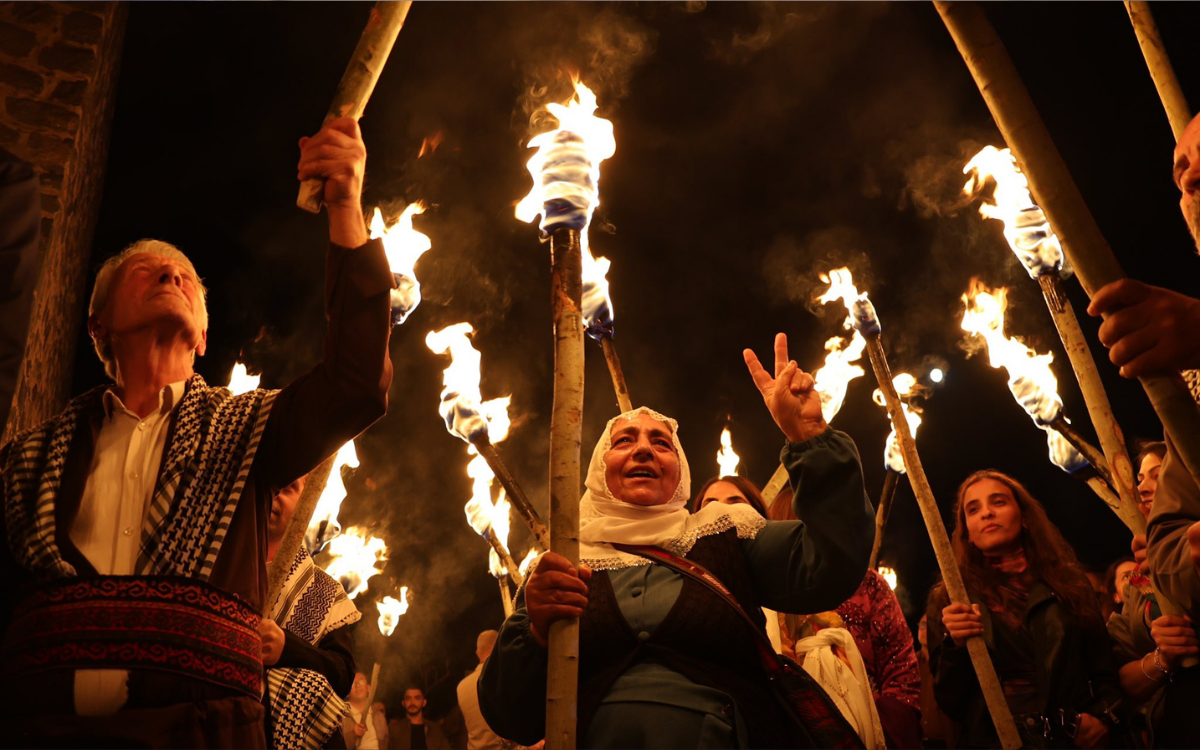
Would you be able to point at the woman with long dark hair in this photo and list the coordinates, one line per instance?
(1033, 605)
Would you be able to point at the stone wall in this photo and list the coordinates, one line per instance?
(58, 72)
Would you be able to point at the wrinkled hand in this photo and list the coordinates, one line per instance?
(272, 641)
(338, 156)
(962, 621)
(1149, 329)
(1140, 554)
(790, 397)
(1091, 732)
(555, 592)
(1175, 638)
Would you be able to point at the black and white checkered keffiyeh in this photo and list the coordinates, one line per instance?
(305, 710)
(203, 474)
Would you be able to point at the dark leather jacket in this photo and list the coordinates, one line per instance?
(1073, 666)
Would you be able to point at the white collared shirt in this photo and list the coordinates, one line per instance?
(108, 527)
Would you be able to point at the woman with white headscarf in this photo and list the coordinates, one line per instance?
(664, 662)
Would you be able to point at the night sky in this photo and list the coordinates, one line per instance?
(757, 144)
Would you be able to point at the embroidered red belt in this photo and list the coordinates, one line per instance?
(163, 623)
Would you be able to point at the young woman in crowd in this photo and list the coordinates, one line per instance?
(1035, 608)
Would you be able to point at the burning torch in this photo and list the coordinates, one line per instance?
(477, 421)
(727, 460)
(863, 318)
(566, 177)
(402, 245)
(893, 459)
(1035, 388)
(390, 610)
(1035, 244)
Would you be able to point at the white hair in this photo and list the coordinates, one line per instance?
(103, 287)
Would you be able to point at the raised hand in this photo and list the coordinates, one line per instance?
(790, 396)
(337, 155)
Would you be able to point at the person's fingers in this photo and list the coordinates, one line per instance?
(347, 125)
(1116, 295)
(956, 608)
(781, 353)
(326, 169)
(552, 561)
(803, 380)
(557, 579)
(559, 612)
(327, 151)
(762, 379)
(1133, 345)
(1124, 322)
(585, 573)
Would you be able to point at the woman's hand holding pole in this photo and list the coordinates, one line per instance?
(556, 591)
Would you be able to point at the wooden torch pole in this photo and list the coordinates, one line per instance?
(891, 481)
(618, 375)
(371, 695)
(566, 426)
(775, 485)
(520, 501)
(1161, 72)
(506, 558)
(353, 91)
(293, 536)
(993, 694)
(1112, 440)
(1056, 193)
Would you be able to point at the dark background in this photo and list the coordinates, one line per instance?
(756, 145)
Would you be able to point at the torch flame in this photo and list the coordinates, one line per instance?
(833, 378)
(324, 524)
(727, 460)
(530, 558)
(390, 610)
(889, 575)
(242, 382)
(1026, 229)
(1029, 375)
(566, 190)
(905, 385)
(861, 313)
(403, 245)
(1030, 378)
(354, 557)
(467, 415)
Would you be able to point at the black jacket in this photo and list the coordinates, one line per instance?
(1072, 659)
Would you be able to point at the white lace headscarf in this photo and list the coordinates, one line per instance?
(604, 518)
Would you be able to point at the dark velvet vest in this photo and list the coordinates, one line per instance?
(701, 637)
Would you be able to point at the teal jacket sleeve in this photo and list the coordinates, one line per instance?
(512, 686)
(818, 562)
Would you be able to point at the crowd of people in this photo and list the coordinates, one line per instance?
(138, 523)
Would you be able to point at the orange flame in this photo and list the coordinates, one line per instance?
(242, 382)
(324, 523)
(566, 171)
(833, 378)
(430, 144)
(390, 610)
(890, 576)
(1026, 228)
(355, 555)
(905, 385)
(727, 460)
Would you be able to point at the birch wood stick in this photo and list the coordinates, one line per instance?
(775, 485)
(506, 557)
(989, 682)
(566, 425)
(520, 501)
(1161, 71)
(371, 695)
(618, 375)
(891, 481)
(350, 99)
(1112, 441)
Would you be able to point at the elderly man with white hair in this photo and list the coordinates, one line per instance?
(136, 520)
